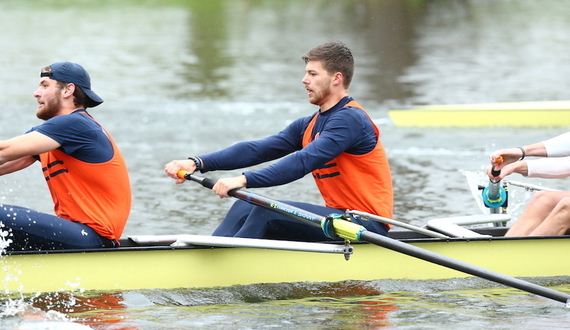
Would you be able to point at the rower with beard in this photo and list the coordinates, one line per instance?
(339, 144)
(83, 167)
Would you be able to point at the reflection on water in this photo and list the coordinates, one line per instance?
(181, 78)
(473, 303)
(491, 51)
(208, 68)
(406, 51)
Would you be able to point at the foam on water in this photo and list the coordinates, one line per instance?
(21, 314)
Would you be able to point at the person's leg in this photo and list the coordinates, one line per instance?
(32, 230)
(234, 219)
(537, 210)
(557, 222)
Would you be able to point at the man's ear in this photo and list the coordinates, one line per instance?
(338, 78)
(69, 90)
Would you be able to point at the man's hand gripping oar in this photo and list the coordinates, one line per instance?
(356, 232)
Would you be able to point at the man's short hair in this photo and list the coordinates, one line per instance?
(335, 57)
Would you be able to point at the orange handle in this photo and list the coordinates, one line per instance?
(181, 174)
(497, 161)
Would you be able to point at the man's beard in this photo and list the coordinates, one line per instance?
(318, 98)
(49, 111)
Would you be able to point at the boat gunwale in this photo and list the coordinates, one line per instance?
(405, 236)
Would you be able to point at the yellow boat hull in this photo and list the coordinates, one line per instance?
(515, 114)
(199, 267)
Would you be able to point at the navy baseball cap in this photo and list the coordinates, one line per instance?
(73, 73)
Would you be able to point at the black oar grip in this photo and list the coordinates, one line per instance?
(207, 182)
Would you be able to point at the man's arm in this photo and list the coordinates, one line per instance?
(16, 165)
(347, 131)
(17, 153)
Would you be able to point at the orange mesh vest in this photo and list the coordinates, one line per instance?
(98, 195)
(355, 182)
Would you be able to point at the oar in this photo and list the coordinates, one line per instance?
(495, 196)
(355, 232)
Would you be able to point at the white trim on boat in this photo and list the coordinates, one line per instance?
(182, 240)
(451, 226)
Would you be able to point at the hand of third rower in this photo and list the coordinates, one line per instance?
(223, 186)
(171, 169)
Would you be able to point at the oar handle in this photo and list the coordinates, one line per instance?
(494, 185)
(494, 196)
(495, 162)
(205, 182)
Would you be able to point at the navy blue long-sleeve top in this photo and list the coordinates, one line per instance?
(340, 130)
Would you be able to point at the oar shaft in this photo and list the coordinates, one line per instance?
(494, 190)
(332, 226)
(464, 267)
(253, 198)
(494, 185)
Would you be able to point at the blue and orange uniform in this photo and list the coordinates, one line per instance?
(89, 184)
(355, 181)
(341, 147)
